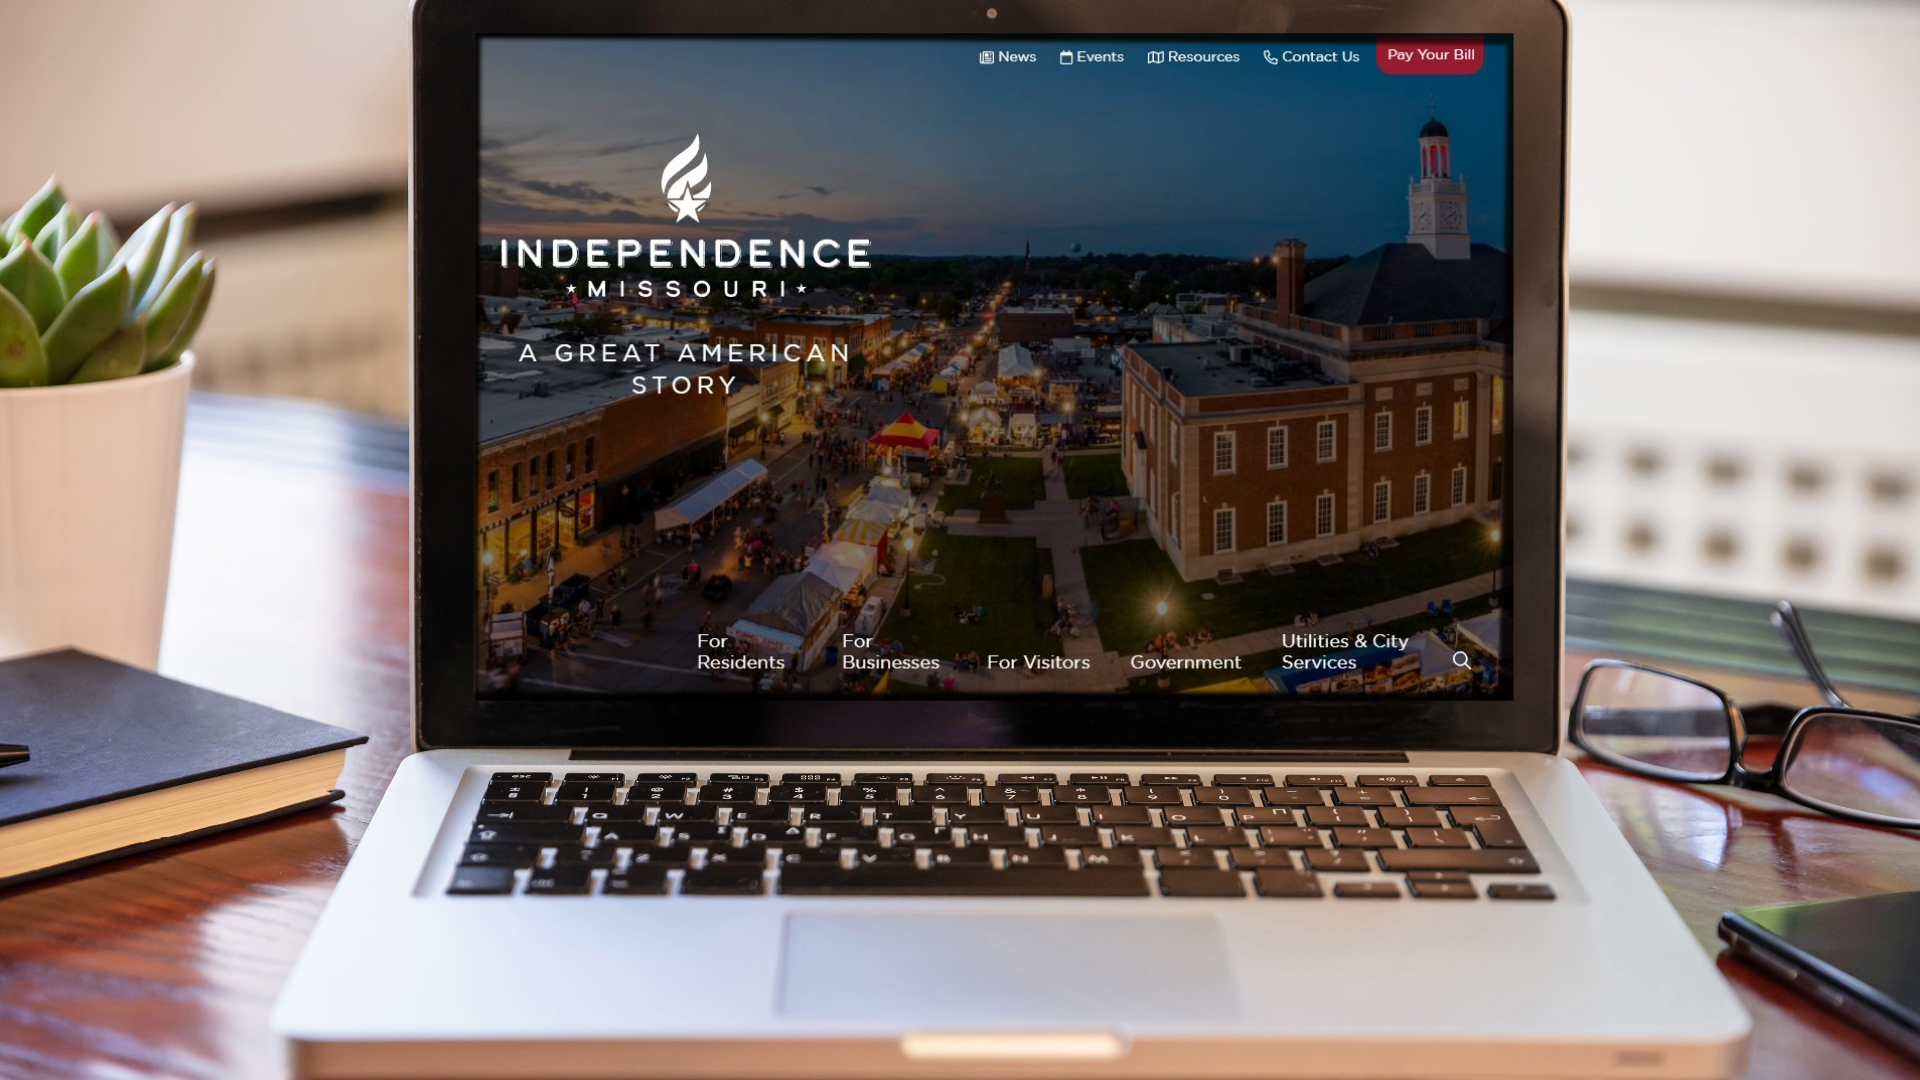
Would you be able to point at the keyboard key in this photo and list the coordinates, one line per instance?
(815, 814)
(1288, 836)
(519, 793)
(996, 835)
(1109, 857)
(1045, 779)
(831, 779)
(1070, 835)
(867, 854)
(1315, 780)
(897, 779)
(870, 793)
(1047, 815)
(921, 815)
(1216, 836)
(481, 881)
(1491, 822)
(1389, 780)
(524, 832)
(1419, 817)
(1251, 858)
(1021, 856)
(522, 811)
(1450, 796)
(618, 834)
(1109, 779)
(537, 779)
(847, 833)
(976, 815)
(1472, 861)
(602, 814)
(656, 793)
(798, 793)
(1442, 890)
(1458, 780)
(1364, 838)
(1170, 779)
(641, 880)
(729, 793)
(794, 856)
(1223, 796)
(614, 778)
(1177, 816)
(912, 833)
(579, 793)
(560, 881)
(583, 856)
(748, 815)
(679, 855)
(1201, 883)
(1141, 836)
(1367, 889)
(1363, 797)
(964, 779)
(1242, 779)
(940, 794)
(1456, 876)
(1292, 796)
(1082, 795)
(673, 815)
(1265, 815)
(508, 855)
(1121, 815)
(685, 779)
(754, 855)
(752, 779)
(1437, 838)
(1286, 882)
(723, 879)
(952, 856)
(1010, 794)
(1349, 860)
(694, 832)
(1151, 796)
(1328, 816)
(1188, 857)
(1520, 892)
(899, 880)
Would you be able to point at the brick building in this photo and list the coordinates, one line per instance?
(1019, 325)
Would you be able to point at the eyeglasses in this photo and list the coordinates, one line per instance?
(1851, 763)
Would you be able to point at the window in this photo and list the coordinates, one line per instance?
(1499, 417)
(1276, 524)
(550, 456)
(493, 491)
(1277, 447)
(1223, 530)
(518, 492)
(1460, 420)
(586, 464)
(1423, 425)
(1323, 515)
(1173, 442)
(1324, 448)
(1459, 485)
(1496, 480)
(571, 448)
(1222, 452)
(1382, 500)
(1383, 430)
(1422, 493)
(533, 476)
(1173, 520)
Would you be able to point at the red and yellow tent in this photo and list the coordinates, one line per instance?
(907, 431)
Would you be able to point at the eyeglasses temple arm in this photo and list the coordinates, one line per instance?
(1787, 621)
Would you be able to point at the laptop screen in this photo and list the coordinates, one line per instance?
(897, 367)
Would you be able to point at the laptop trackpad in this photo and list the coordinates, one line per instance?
(948, 969)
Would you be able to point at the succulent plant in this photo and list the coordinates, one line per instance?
(79, 306)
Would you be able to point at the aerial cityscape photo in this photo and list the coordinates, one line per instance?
(1034, 378)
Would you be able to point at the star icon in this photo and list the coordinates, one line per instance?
(800, 288)
(686, 207)
(570, 288)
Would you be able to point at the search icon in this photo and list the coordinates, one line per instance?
(1461, 659)
(1268, 53)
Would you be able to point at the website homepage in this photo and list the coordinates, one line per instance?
(983, 368)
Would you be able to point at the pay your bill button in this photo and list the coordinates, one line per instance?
(1430, 55)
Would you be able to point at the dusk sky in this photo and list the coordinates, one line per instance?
(917, 145)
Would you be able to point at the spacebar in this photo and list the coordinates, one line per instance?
(802, 879)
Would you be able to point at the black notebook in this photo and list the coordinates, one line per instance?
(124, 761)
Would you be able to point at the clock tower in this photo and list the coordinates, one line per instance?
(1437, 202)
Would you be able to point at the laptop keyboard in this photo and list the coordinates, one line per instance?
(1425, 836)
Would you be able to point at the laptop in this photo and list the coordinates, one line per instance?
(993, 538)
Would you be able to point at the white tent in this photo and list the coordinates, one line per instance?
(793, 617)
(985, 390)
(869, 510)
(888, 493)
(1487, 631)
(1026, 427)
(843, 565)
(1015, 363)
(704, 499)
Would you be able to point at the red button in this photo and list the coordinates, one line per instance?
(1430, 55)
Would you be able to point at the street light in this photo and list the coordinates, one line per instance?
(1160, 609)
(906, 580)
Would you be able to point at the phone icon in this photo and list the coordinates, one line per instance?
(1268, 53)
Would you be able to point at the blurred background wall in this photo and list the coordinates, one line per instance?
(1745, 352)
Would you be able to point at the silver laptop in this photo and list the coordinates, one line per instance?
(992, 539)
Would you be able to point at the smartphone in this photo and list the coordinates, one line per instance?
(1860, 958)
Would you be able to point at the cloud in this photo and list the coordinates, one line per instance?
(574, 191)
(815, 189)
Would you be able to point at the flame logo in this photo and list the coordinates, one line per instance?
(678, 180)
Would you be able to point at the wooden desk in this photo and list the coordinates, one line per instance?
(290, 588)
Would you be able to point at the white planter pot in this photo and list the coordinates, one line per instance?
(88, 480)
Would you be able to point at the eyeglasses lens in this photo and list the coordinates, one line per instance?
(1653, 719)
(1858, 763)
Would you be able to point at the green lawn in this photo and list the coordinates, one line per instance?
(1019, 480)
(1002, 573)
(1127, 579)
(1094, 474)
